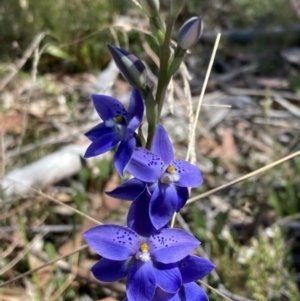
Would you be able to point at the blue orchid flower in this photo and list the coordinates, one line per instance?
(167, 181)
(147, 262)
(192, 268)
(118, 126)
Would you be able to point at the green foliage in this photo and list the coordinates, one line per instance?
(243, 13)
(50, 250)
(284, 198)
(268, 278)
(258, 268)
(66, 21)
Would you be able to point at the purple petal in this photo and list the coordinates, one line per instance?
(110, 270)
(168, 277)
(98, 131)
(102, 144)
(123, 155)
(136, 106)
(141, 282)
(161, 295)
(176, 298)
(138, 216)
(132, 126)
(129, 190)
(163, 205)
(171, 245)
(145, 165)
(190, 175)
(191, 292)
(183, 195)
(112, 241)
(108, 107)
(162, 145)
(193, 268)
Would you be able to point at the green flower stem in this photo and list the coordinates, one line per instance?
(176, 61)
(163, 80)
(151, 113)
(158, 29)
(153, 108)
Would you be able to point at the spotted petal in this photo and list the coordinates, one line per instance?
(189, 174)
(112, 241)
(108, 107)
(171, 245)
(145, 166)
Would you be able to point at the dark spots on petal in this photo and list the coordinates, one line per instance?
(124, 237)
(182, 265)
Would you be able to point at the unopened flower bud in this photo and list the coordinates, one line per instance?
(130, 66)
(190, 32)
(150, 7)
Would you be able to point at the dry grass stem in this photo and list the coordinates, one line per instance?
(20, 63)
(22, 254)
(43, 266)
(199, 105)
(214, 290)
(63, 204)
(243, 178)
(2, 155)
(204, 88)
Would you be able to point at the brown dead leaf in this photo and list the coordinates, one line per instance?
(9, 122)
(229, 148)
(209, 147)
(273, 83)
(108, 299)
(45, 274)
(111, 203)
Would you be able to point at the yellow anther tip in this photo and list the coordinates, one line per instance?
(144, 247)
(171, 169)
(118, 119)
